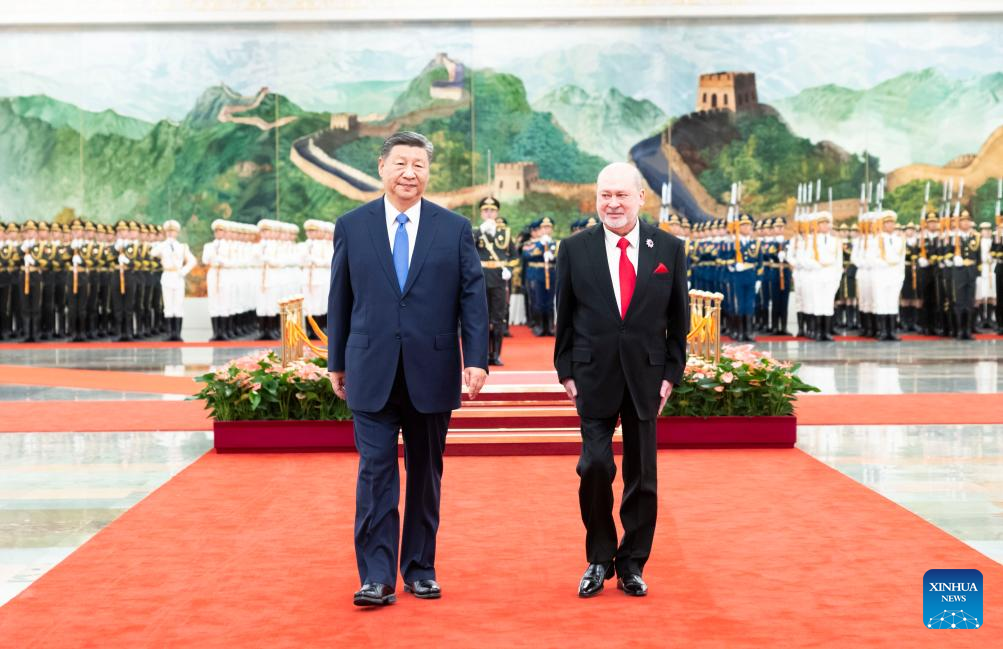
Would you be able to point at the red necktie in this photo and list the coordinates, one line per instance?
(628, 277)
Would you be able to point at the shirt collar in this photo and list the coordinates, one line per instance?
(413, 213)
(633, 237)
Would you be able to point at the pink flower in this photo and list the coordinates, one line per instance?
(719, 388)
(727, 377)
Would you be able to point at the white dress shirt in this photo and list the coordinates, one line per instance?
(411, 227)
(613, 256)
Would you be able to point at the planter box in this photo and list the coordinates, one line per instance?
(672, 432)
(727, 432)
(267, 436)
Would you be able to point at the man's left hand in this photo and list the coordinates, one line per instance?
(473, 378)
(664, 392)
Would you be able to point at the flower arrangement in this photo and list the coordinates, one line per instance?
(745, 382)
(258, 387)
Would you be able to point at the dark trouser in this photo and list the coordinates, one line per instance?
(76, 306)
(6, 308)
(640, 489)
(377, 493)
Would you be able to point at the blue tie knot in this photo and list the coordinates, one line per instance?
(402, 218)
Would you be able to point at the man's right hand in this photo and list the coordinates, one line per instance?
(571, 388)
(338, 383)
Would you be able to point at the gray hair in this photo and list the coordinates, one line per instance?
(406, 138)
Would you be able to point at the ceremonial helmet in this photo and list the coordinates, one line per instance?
(489, 201)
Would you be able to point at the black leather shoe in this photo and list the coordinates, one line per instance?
(374, 595)
(423, 589)
(632, 585)
(594, 578)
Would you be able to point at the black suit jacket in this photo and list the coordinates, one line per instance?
(603, 352)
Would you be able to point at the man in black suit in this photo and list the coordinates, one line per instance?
(622, 320)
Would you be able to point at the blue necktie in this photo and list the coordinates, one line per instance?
(400, 250)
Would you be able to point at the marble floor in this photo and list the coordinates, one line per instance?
(58, 489)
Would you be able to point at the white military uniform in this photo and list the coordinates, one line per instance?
(178, 261)
(316, 255)
(213, 254)
(888, 268)
(985, 285)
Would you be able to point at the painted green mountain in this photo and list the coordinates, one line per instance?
(760, 150)
(88, 123)
(198, 168)
(604, 124)
(918, 116)
(502, 127)
(202, 169)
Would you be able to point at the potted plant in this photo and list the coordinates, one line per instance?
(257, 404)
(745, 400)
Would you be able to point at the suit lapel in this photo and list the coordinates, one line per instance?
(423, 242)
(600, 266)
(645, 265)
(377, 222)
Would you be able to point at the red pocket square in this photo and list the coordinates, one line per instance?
(661, 270)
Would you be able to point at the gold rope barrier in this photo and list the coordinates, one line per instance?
(704, 339)
(294, 338)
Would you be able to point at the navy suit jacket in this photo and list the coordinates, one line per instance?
(371, 322)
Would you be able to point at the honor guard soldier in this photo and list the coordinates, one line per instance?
(80, 286)
(909, 300)
(996, 251)
(494, 250)
(512, 250)
(35, 256)
(985, 288)
(11, 264)
(887, 263)
(964, 261)
(926, 262)
(744, 271)
(176, 261)
(214, 256)
(108, 281)
(821, 269)
(124, 291)
(540, 256)
(52, 277)
(316, 253)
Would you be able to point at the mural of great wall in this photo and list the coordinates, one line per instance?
(300, 140)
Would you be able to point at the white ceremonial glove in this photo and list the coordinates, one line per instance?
(958, 261)
(545, 239)
(548, 256)
(948, 263)
(759, 285)
(506, 274)
(77, 260)
(489, 228)
(781, 257)
(731, 268)
(122, 259)
(923, 263)
(29, 260)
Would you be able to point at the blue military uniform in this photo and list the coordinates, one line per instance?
(540, 257)
(743, 256)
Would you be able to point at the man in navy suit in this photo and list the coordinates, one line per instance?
(406, 288)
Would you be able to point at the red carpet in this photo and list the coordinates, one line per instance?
(139, 344)
(765, 549)
(97, 379)
(812, 410)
